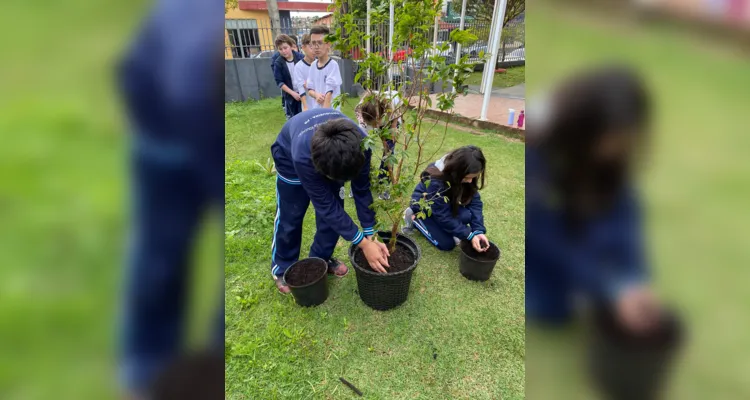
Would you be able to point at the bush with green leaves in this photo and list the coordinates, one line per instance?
(421, 70)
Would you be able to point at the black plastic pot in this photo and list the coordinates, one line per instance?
(385, 291)
(311, 294)
(474, 269)
(623, 366)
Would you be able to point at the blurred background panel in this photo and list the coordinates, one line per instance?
(64, 198)
(695, 184)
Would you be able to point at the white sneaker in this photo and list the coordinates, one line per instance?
(408, 227)
(456, 240)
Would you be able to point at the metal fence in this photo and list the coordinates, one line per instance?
(249, 38)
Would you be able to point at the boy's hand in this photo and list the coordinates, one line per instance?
(296, 96)
(376, 254)
(320, 98)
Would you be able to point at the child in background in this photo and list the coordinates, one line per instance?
(302, 71)
(324, 82)
(370, 111)
(283, 75)
(457, 177)
(273, 63)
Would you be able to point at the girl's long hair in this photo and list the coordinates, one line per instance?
(599, 102)
(457, 164)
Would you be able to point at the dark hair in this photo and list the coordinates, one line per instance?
(306, 39)
(294, 38)
(336, 149)
(373, 108)
(281, 39)
(319, 30)
(599, 102)
(457, 164)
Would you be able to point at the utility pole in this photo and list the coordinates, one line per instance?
(273, 13)
(489, 66)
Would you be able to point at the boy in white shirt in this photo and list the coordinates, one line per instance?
(302, 72)
(324, 81)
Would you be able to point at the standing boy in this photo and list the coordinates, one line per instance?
(283, 75)
(302, 71)
(275, 56)
(315, 153)
(324, 82)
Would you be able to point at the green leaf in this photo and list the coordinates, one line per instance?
(427, 184)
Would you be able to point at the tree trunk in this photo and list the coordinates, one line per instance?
(394, 232)
(273, 13)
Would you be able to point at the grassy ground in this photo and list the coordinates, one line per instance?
(64, 191)
(695, 193)
(511, 77)
(451, 339)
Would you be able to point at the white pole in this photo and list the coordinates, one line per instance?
(461, 27)
(367, 46)
(499, 16)
(437, 24)
(390, 41)
(489, 47)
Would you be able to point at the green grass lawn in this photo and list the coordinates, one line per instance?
(511, 77)
(64, 192)
(695, 192)
(277, 350)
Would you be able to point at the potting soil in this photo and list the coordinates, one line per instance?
(490, 255)
(663, 335)
(306, 271)
(401, 259)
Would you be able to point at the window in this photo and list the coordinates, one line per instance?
(244, 39)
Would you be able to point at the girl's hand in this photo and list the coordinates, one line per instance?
(320, 98)
(480, 243)
(638, 309)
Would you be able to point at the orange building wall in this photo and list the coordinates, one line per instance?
(264, 22)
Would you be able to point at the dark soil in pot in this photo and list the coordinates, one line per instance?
(399, 260)
(475, 265)
(624, 365)
(307, 280)
(386, 291)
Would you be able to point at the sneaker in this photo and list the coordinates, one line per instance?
(456, 240)
(336, 267)
(281, 286)
(408, 227)
(385, 196)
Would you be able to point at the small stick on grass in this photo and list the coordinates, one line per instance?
(352, 387)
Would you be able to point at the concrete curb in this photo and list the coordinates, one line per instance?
(499, 128)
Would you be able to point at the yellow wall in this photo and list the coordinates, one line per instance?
(264, 22)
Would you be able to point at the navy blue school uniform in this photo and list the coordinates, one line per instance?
(287, 102)
(601, 260)
(298, 183)
(173, 96)
(441, 226)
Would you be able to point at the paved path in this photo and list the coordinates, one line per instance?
(513, 92)
(501, 100)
